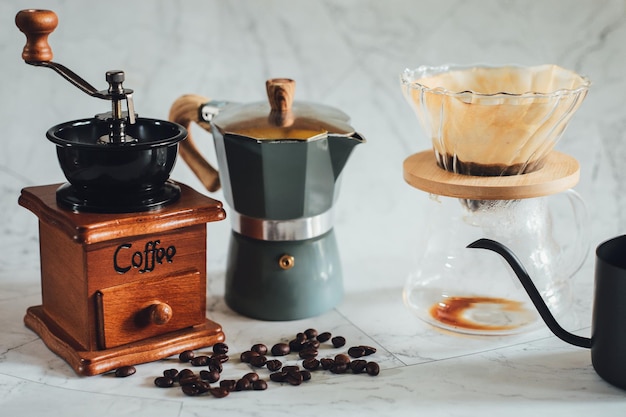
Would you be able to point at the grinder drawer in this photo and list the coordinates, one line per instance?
(146, 308)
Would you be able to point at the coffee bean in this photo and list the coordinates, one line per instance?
(251, 376)
(189, 380)
(222, 357)
(338, 341)
(124, 371)
(186, 356)
(356, 351)
(171, 373)
(259, 348)
(259, 385)
(369, 350)
(294, 378)
(301, 337)
(372, 368)
(308, 353)
(247, 355)
(258, 361)
(228, 384)
(291, 368)
(296, 345)
(280, 349)
(306, 375)
(215, 365)
(326, 363)
(358, 366)
(191, 390)
(323, 337)
(243, 384)
(342, 358)
(163, 382)
(279, 376)
(219, 392)
(273, 365)
(220, 348)
(201, 360)
(339, 368)
(312, 344)
(311, 364)
(310, 333)
(185, 373)
(211, 376)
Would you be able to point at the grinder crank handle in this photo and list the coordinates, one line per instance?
(184, 110)
(37, 25)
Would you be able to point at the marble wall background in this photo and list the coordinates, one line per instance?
(345, 53)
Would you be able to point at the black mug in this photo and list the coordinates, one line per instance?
(608, 327)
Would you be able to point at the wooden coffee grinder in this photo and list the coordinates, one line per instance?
(123, 248)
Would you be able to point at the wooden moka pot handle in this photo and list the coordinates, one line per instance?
(36, 25)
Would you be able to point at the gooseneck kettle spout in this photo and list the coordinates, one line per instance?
(532, 291)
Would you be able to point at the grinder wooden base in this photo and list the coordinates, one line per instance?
(88, 363)
(122, 288)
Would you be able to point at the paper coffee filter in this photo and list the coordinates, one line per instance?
(493, 120)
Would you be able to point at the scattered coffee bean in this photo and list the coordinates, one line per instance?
(247, 355)
(220, 348)
(308, 353)
(310, 333)
(356, 351)
(342, 358)
(323, 337)
(211, 376)
(186, 356)
(228, 384)
(296, 345)
(279, 376)
(339, 368)
(215, 365)
(273, 365)
(280, 349)
(369, 350)
(251, 376)
(306, 375)
(243, 384)
(191, 390)
(185, 373)
(301, 337)
(311, 364)
(338, 341)
(358, 366)
(189, 380)
(163, 382)
(372, 368)
(171, 373)
(258, 361)
(219, 392)
(291, 368)
(201, 360)
(259, 385)
(222, 357)
(124, 371)
(294, 378)
(326, 363)
(312, 344)
(259, 348)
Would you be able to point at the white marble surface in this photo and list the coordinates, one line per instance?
(347, 54)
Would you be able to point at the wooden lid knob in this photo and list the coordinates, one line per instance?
(36, 25)
(160, 313)
(280, 93)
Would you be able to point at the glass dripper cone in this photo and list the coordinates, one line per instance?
(492, 121)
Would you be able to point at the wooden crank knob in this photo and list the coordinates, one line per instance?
(36, 25)
(160, 313)
(280, 93)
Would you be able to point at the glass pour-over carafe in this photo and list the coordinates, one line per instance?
(493, 173)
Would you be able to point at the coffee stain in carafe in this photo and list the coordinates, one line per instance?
(457, 311)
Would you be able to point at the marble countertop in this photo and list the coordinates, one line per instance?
(349, 55)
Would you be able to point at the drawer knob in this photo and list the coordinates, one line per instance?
(160, 313)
